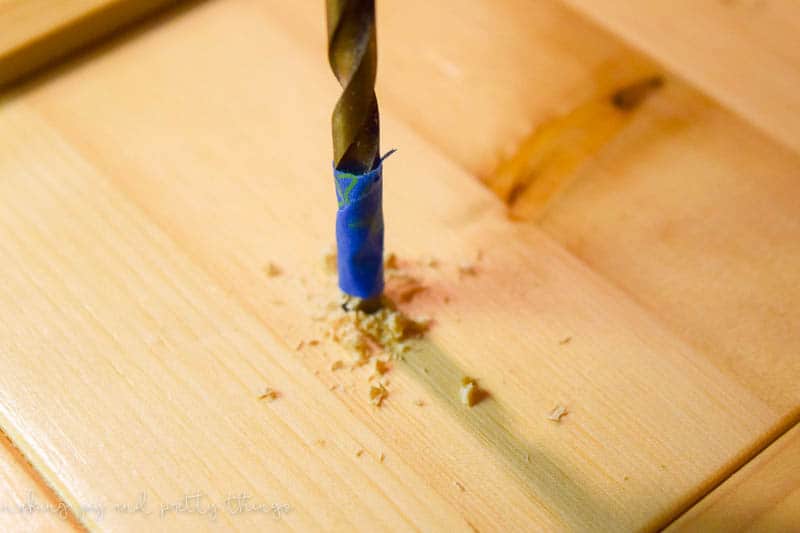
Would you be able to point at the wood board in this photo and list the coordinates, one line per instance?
(745, 53)
(633, 192)
(26, 504)
(762, 496)
(227, 254)
(37, 32)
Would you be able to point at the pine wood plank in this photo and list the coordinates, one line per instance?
(218, 171)
(475, 78)
(36, 32)
(629, 191)
(693, 213)
(745, 53)
(128, 371)
(25, 503)
(762, 496)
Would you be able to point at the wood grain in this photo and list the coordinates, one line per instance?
(477, 77)
(745, 53)
(693, 213)
(762, 496)
(177, 316)
(679, 202)
(34, 33)
(26, 504)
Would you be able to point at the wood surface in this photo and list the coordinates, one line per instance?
(140, 217)
(762, 496)
(37, 32)
(745, 53)
(26, 504)
(679, 202)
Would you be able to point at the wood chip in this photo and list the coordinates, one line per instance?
(359, 452)
(337, 365)
(419, 403)
(565, 341)
(467, 269)
(329, 260)
(557, 412)
(469, 391)
(381, 457)
(460, 486)
(269, 394)
(390, 263)
(272, 270)
(377, 393)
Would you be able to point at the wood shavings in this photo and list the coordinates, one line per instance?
(379, 369)
(406, 294)
(272, 270)
(557, 412)
(313, 342)
(377, 393)
(269, 394)
(370, 336)
(468, 392)
(431, 262)
(381, 457)
(359, 452)
(467, 269)
(329, 260)
(390, 262)
(300, 345)
(460, 486)
(337, 365)
(565, 340)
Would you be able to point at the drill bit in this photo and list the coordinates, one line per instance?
(353, 56)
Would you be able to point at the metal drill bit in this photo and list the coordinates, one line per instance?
(353, 56)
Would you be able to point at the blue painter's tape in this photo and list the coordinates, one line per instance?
(359, 232)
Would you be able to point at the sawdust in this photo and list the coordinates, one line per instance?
(377, 393)
(269, 394)
(272, 270)
(329, 260)
(376, 338)
(557, 412)
(467, 269)
(468, 392)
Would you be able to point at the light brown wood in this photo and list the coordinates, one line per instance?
(26, 504)
(762, 496)
(36, 32)
(140, 216)
(685, 206)
(230, 184)
(746, 53)
(693, 213)
(475, 78)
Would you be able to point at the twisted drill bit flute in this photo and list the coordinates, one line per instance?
(352, 54)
